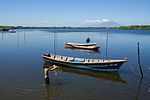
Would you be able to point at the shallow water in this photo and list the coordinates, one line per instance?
(21, 66)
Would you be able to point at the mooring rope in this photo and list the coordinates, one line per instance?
(137, 74)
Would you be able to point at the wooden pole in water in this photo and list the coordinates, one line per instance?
(139, 88)
(2, 35)
(140, 82)
(54, 43)
(139, 62)
(107, 44)
(24, 37)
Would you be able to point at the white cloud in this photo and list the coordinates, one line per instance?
(105, 20)
(97, 21)
(100, 23)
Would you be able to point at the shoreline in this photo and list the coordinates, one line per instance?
(132, 27)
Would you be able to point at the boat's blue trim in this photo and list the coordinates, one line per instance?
(76, 60)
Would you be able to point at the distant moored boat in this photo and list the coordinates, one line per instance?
(12, 31)
(88, 46)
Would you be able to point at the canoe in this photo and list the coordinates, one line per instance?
(80, 44)
(85, 63)
(88, 46)
(12, 31)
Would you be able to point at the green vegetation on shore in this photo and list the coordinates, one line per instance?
(132, 27)
(64, 27)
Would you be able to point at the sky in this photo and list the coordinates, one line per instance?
(73, 12)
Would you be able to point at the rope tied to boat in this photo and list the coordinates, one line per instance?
(137, 74)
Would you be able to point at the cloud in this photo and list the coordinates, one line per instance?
(100, 23)
(97, 21)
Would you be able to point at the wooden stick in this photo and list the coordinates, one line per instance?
(139, 62)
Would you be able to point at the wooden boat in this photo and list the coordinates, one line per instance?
(5, 29)
(12, 31)
(111, 76)
(84, 63)
(88, 46)
(80, 44)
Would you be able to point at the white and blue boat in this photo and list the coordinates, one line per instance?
(85, 63)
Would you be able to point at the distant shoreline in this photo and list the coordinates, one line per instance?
(132, 27)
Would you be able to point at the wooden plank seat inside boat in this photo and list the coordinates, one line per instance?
(64, 58)
(59, 58)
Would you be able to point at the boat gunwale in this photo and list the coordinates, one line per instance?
(104, 62)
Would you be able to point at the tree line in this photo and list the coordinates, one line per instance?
(132, 27)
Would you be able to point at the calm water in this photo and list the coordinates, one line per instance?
(21, 66)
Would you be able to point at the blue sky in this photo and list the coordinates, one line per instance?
(73, 12)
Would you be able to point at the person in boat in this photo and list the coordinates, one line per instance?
(88, 40)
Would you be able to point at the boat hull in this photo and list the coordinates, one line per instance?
(113, 66)
(81, 44)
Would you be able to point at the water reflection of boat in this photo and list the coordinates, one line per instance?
(84, 50)
(112, 76)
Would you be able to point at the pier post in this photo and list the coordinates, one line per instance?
(139, 62)
(106, 44)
